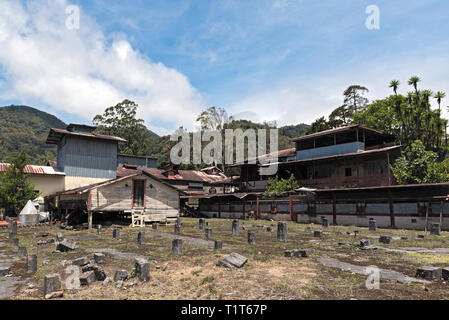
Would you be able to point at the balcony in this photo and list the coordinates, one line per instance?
(332, 150)
(379, 180)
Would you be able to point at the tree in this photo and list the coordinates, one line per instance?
(318, 125)
(354, 99)
(339, 117)
(439, 96)
(409, 118)
(395, 85)
(214, 118)
(276, 187)
(420, 166)
(15, 188)
(120, 120)
(2, 151)
(413, 81)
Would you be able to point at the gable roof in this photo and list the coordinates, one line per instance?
(55, 135)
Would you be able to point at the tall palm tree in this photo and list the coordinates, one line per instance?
(439, 96)
(395, 85)
(413, 81)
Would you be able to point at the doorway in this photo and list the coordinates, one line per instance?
(138, 193)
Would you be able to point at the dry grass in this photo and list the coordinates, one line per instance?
(267, 275)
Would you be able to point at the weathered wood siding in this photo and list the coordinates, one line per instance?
(159, 198)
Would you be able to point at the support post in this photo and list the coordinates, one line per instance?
(441, 214)
(258, 206)
(334, 208)
(390, 200)
(244, 210)
(291, 207)
(219, 207)
(427, 217)
(89, 212)
(90, 219)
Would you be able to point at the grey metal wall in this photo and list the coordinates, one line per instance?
(93, 158)
(330, 150)
(138, 161)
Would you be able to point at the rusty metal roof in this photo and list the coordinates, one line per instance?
(187, 175)
(32, 169)
(56, 134)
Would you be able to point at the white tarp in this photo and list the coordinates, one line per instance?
(29, 214)
(29, 209)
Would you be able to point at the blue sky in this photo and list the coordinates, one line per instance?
(280, 60)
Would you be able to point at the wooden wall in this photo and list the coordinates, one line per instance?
(159, 198)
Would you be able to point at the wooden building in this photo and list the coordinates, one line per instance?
(139, 190)
(351, 156)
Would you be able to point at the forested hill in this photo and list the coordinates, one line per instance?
(26, 128)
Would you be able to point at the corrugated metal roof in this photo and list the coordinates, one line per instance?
(344, 155)
(32, 169)
(56, 134)
(340, 129)
(285, 153)
(187, 175)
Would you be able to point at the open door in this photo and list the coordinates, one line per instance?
(138, 193)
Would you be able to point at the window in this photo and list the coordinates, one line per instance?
(348, 172)
(195, 186)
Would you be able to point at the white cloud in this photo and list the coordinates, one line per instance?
(84, 71)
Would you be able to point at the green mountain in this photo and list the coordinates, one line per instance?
(26, 128)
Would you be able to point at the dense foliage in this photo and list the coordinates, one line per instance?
(25, 128)
(420, 166)
(120, 120)
(278, 187)
(15, 188)
(409, 118)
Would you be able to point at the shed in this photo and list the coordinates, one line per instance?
(139, 190)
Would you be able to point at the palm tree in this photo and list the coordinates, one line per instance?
(395, 84)
(439, 96)
(414, 81)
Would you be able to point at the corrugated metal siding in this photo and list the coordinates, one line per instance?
(141, 162)
(89, 158)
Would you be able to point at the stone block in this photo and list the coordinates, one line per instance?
(233, 260)
(218, 245)
(99, 258)
(385, 239)
(87, 278)
(177, 246)
(52, 283)
(429, 272)
(142, 267)
(80, 261)
(32, 263)
(251, 237)
(121, 275)
(282, 233)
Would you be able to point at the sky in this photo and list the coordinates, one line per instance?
(261, 60)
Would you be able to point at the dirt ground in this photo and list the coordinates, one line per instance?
(268, 274)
